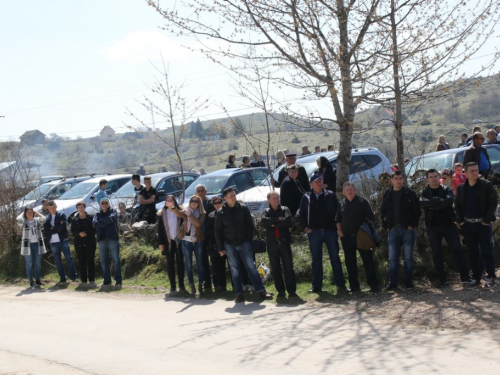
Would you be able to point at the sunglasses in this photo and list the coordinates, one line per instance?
(194, 202)
(217, 203)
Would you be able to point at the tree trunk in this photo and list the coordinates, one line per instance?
(398, 123)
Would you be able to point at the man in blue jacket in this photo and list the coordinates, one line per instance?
(317, 212)
(57, 235)
(106, 223)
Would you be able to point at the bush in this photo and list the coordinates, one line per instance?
(295, 140)
(425, 122)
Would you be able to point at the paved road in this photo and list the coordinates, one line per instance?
(67, 332)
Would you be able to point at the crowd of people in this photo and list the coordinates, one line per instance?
(220, 231)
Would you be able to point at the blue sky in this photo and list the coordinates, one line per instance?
(71, 67)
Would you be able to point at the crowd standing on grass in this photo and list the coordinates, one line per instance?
(220, 232)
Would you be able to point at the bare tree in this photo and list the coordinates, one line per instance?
(427, 44)
(313, 45)
(177, 111)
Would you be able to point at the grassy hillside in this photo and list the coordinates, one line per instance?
(450, 116)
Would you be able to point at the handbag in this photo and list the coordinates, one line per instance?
(259, 246)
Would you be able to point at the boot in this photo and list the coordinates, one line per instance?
(193, 289)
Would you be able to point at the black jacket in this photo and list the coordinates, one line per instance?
(487, 200)
(233, 225)
(291, 193)
(302, 177)
(305, 204)
(270, 218)
(330, 178)
(430, 205)
(410, 209)
(256, 164)
(473, 153)
(83, 225)
(108, 222)
(60, 227)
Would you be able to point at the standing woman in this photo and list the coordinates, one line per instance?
(327, 173)
(85, 243)
(442, 145)
(192, 240)
(230, 161)
(280, 158)
(169, 243)
(32, 245)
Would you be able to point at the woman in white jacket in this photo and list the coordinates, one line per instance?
(32, 245)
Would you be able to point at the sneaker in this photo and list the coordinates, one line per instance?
(474, 284)
(32, 285)
(391, 286)
(490, 283)
(39, 283)
(443, 283)
(410, 286)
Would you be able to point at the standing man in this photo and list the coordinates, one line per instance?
(136, 210)
(101, 193)
(317, 150)
(233, 234)
(56, 230)
(437, 203)
(476, 153)
(463, 140)
(141, 171)
(400, 213)
(353, 211)
(218, 261)
(257, 161)
(291, 190)
(148, 198)
(277, 221)
(201, 191)
(106, 223)
(331, 148)
(318, 209)
(492, 137)
(475, 206)
(290, 158)
(305, 150)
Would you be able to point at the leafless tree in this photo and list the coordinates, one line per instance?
(313, 45)
(427, 42)
(176, 112)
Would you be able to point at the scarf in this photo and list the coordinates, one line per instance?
(191, 228)
(26, 239)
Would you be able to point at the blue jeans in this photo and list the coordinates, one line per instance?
(57, 248)
(244, 253)
(34, 259)
(330, 238)
(107, 247)
(187, 250)
(401, 238)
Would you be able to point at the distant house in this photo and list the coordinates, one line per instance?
(32, 137)
(107, 133)
(132, 135)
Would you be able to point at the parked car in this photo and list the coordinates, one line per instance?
(165, 183)
(445, 159)
(366, 164)
(50, 190)
(86, 191)
(240, 179)
(45, 179)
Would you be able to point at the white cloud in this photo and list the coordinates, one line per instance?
(142, 46)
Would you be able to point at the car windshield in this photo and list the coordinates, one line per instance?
(214, 185)
(437, 162)
(127, 190)
(309, 167)
(79, 191)
(38, 192)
